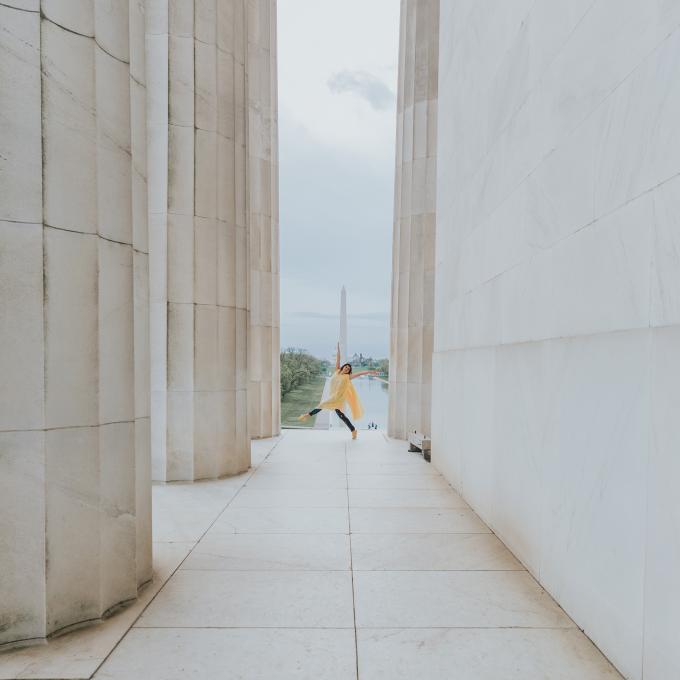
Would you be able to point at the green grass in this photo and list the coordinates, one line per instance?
(300, 400)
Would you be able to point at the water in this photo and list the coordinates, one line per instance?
(373, 395)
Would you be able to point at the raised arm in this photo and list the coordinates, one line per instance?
(360, 373)
(337, 359)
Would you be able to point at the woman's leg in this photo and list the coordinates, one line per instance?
(345, 419)
(313, 412)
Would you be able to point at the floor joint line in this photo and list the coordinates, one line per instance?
(351, 568)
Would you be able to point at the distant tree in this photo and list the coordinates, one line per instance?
(383, 365)
(297, 368)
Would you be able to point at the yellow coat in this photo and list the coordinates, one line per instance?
(341, 391)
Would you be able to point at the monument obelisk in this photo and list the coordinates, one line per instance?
(343, 326)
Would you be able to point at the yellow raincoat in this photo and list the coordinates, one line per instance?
(341, 391)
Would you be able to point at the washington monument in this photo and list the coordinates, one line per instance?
(343, 325)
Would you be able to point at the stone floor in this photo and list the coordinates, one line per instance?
(329, 558)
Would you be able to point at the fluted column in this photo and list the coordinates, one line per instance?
(199, 241)
(263, 228)
(74, 473)
(412, 315)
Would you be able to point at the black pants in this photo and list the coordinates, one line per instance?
(341, 415)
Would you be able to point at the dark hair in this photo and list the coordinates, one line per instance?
(343, 366)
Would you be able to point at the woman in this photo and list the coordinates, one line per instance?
(342, 391)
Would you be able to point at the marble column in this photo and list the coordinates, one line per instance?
(413, 262)
(263, 214)
(199, 269)
(74, 463)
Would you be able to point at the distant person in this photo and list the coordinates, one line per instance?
(342, 391)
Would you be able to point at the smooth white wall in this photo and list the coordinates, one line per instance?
(556, 372)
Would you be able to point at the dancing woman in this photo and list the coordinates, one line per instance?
(341, 391)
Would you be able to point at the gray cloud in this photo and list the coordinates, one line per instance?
(365, 85)
(370, 316)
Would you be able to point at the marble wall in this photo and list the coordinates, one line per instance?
(74, 420)
(413, 246)
(263, 228)
(556, 369)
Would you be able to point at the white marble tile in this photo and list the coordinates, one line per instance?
(448, 415)
(431, 552)
(515, 505)
(415, 520)
(405, 498)
(661, 653)
(372, 452)
(594, 478)
(282, 520)
(639, 147)
(317, 454)
(611, 291)
(368, 467)
(306, 468)
(256, 599)
(460, 599)
(476, 431)
(665, 307)
(290, 498)
(482, 654)
(183, 654)
(264, 480)
(274, 552)
(183, 512)
(420, 482)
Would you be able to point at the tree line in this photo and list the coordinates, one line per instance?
(297, 368)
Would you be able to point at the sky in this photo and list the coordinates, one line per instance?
(337, 62)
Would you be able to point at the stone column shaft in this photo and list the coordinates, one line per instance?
(263, 228)
(412, 316)
(73, 417)
(199, 270)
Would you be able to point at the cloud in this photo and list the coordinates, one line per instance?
(369, 316)
(365, 85)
